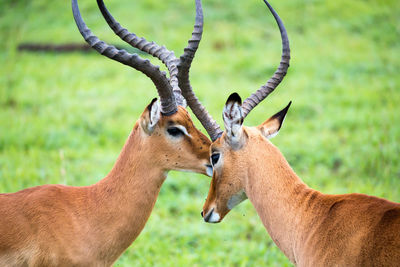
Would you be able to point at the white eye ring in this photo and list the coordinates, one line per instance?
(182, 129)
(175, 131)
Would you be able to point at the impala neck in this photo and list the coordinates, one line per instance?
(126, 196)
(278, 196)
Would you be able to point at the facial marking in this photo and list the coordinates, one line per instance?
(212, 216)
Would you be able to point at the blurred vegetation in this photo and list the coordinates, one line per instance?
(64, 117)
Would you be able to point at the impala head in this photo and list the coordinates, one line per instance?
(165, 124)
(232, 149)
(173, 142)
(232, 157)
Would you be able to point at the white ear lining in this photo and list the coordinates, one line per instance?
(270, 132)
(233, 119)
(155, 115)
(269, 136)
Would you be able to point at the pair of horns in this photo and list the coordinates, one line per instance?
(177, 88)
(168, 88)
(213, 129)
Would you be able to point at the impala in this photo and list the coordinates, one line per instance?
(311, 228)
(56, 225)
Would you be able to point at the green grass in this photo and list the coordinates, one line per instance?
(65, 117)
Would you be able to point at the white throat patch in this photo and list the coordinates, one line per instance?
(209, 171)
(236, 199)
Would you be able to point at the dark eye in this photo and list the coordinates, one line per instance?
(174, 131)
(214, 158)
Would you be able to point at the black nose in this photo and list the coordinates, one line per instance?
(201, 213)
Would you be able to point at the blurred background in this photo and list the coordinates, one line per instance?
(65, 116)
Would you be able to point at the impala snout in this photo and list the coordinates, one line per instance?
(212, 216)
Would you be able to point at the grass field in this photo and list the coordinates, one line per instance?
(65, 117)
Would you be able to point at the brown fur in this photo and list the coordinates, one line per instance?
(311, 228)
(55, 225)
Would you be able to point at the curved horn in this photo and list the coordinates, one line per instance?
(167, 99)
(279, 74)
(161, 52)
(193, 43)
(185, 62)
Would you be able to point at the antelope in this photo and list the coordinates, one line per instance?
(311, 228)
(57, 225)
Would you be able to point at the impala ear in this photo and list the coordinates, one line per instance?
(151, 116)
(271, 127)
(233, 120)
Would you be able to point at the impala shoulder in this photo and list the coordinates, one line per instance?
(365, 205)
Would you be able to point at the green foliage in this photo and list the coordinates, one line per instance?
(64, 118)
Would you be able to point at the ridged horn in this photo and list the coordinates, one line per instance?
(279, 74)
(161, 52)
(211, 126)
(159, 78)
